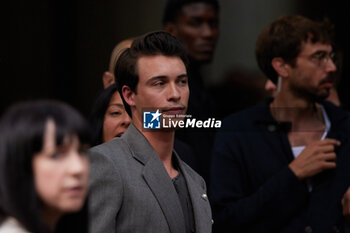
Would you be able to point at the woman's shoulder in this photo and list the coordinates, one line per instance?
(11, 225)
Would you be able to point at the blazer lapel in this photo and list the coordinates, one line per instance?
(163, 189)
(157, 179)
(200, 202)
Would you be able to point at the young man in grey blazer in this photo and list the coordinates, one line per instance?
(138, 182)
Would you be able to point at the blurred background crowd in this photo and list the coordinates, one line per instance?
(60, 49)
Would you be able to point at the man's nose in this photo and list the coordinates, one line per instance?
(208, 30)
(173, 92)
(330, 66)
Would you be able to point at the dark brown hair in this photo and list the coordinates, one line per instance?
(284, 38)
(150, 44)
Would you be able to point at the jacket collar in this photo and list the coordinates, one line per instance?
(336, 115)
(338, 118)
(140, 148)
(156, 177)
(264, 119)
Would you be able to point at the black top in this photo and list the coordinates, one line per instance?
(253, 188)
(185, 200)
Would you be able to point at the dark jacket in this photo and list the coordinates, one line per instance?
(253, 189)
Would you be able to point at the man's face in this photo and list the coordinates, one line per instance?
(311, 77)
(162, 85)
(197, 26)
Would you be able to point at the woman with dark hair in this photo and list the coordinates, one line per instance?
(43, 168)
(108, 116)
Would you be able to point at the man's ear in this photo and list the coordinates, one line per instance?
(171, 28)
(107, 79)
(128, 95)
(280, 66)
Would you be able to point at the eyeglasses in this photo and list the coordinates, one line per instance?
(321, 58)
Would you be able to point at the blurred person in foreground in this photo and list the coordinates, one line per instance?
(43, 168)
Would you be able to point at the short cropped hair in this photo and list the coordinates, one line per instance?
(284, 38)
(173, 8)
(150, 44)
(22, 130)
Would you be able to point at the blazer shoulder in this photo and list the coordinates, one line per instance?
(111, 148)
(244, 119)
(107, 146)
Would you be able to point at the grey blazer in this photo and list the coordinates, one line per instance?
(131, 192)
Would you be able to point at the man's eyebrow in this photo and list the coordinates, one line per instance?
(321, 51)
(182, 76)
(161, 77)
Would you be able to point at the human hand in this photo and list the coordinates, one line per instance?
(315, 158)
(345, 201)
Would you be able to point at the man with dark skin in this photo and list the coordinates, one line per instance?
(196, 24)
